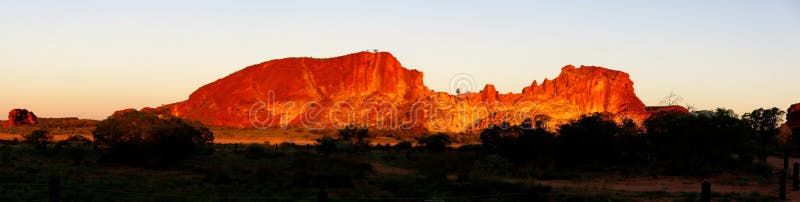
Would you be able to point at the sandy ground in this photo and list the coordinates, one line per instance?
(272, 140)
(5, 136)
(666, 184)
(724, 183)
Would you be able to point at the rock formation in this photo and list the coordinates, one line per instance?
(373, 89)
(793, 116)
(668, 109)
(120, 112)
(20, 117)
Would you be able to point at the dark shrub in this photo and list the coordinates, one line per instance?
(765, 122)
(688, 144)
(137, 137)
(533, 144)
(354, 134)
(520, 143)
(286, 146)
(76, 147)
(326, 145)
(39, 139)
(436, 143)
(588, 139)
(403, 145)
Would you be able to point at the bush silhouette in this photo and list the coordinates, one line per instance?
(588, 139)
(679, 143)
(699, 144)
(76, 147)
(765, 121)
(143, 137)
(74, 141)
(436, 143)
(403, 145)
(354, 134)
(326, 145)
(520, 143)
(39, 139)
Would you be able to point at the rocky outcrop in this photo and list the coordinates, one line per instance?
(793, 116)
(285, 91)
(373, 89)
(589, 89)
(124, 111)
(668, 109)
(21, 117)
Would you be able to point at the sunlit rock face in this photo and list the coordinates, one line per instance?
(585, 90)
(20, 117)
(793, 116)
(300, 90)
(373, 89)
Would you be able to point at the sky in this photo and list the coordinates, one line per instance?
(89, 58)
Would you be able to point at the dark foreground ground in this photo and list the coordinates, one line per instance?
(246, 167)
(298, 173)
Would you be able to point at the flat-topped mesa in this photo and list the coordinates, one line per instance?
(374, 88)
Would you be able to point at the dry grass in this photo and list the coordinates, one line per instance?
(62, 128)
(230, 135)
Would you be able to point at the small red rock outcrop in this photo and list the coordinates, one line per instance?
(21, 117)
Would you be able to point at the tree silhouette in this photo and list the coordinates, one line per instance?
(672, 99)
(39, 138)
(765, 121)
(144, 137)
(588, 139)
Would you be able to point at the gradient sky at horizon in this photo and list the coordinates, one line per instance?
(90, 58)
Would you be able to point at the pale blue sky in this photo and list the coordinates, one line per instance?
(89, 58)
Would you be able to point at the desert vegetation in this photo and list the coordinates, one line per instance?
(143, 156)
(142, 137)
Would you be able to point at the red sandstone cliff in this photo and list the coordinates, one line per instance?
(374, 89)
(293, 83)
